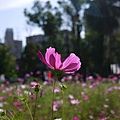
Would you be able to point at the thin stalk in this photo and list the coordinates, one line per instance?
(54, 82)
(63, 105)
(29, 111)
(4, 118)
(35, 106)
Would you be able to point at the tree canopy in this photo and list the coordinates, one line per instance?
(7, 62)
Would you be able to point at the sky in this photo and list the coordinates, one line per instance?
(12, 16)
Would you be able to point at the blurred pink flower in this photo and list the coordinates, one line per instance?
(76, 78)
(11, 112)
(31, 73)
(112, 111)
(7, 82)
(60, 102)
(109, 90)
(32, 96)
(17, 68)
(90, 78)
(70, 77)
(27, 75)
(5, 103)
(106, 118)
(17, 103)
(75, 118)
(75, 102)
(83, 84)
(53, 60)
(20, 109)
(99, 78)
(113, 79)
(56, 90)
(33, 83)
(70, 96)
(55, 106)
(38, 72)
(10, 94)
(91, 116)
(85, 97)
(102, 112)
(45, 83)
(106, 106)
(2, 98)
(21, 80)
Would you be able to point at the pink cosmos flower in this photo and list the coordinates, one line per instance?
(27, 75)
(70, 96)
(33, 83)
(21, 80)
(101, 112)
(53, 60)
(56, 90)
(85, 97)
(75, 118)
(17, 103)
(55, 106)
(3, 98)
(20, 109)
(75, 102)
(91, 116)
(32, 96)
(112, 111)
(38, 72)
(31, 73)
(106, 106)
(11, 112)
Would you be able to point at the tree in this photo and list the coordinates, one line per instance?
(102, 19)
(29, 61)
(7, 62)
(72, 10)
(80, 46)
(46, 17)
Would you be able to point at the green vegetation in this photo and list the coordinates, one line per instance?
(82, 100)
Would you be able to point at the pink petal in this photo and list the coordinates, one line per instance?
(71, 64)
(58, 62)
(41, 57)
(72, 67)
(49, 56)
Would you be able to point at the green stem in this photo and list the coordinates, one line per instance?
(29, 111)
(35, 105)
(63, 105)
(4, 118)
(54, 82)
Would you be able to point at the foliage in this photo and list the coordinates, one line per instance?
(115, 48)
(29, 61)
(46, 17)
(72, 8)
(101, 19)
(102, 16)
(7, 62)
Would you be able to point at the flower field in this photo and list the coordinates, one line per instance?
(96, 99)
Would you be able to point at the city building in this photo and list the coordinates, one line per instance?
(36, 38)
(15, 45)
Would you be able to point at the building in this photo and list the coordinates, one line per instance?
(15, 45)
(36, 38)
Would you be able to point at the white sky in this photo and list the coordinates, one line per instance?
(12, 16)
